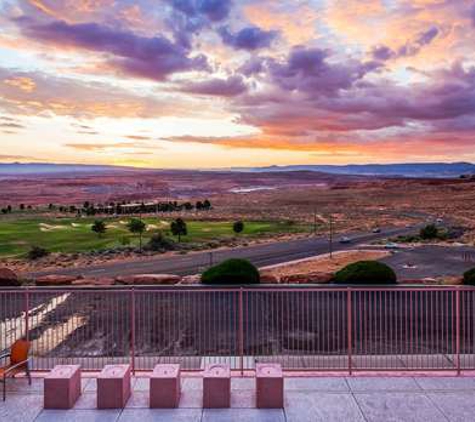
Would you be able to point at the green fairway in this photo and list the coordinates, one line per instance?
(69, 235)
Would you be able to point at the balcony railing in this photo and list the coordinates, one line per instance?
(303, 328)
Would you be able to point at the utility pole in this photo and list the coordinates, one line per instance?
(331, 236)
(314, 221)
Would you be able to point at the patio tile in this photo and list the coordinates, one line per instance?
(327, 384)
(458, 407)
(446, 383)
(195, 383)
(20, 408)
(78, 416)
(138, 399)
(142, 384)
(403, 407)
(243, 399)
(363, 384)
(20, 385)
(240, 415)
(86, 401)
(164, 415)
(243, 383)
(325, 407)
(191, 399)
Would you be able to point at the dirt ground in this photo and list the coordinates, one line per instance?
(324, 263)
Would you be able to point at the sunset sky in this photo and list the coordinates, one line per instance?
(219, 83)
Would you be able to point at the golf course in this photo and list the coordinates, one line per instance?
(71, 235)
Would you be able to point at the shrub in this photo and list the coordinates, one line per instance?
(429, 232)
(238, 227)
(232, 271)
(158, 242)
(99, 227)
(469, 277)
(36, 253)
(366, 272)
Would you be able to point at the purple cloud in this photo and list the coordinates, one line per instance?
(230, 87)
(411, 48)
(154, 58)
(250, 38)
(306, 70)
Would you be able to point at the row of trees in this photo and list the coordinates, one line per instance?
(137, 226)
(119, 208)
(128, 208)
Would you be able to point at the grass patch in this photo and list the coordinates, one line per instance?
(70, 235)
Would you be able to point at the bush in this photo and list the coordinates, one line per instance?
(366, 272)
(238, 227)
(232, 271)
(429, 232)
(158, 242)
(469, 277)
(36, 253)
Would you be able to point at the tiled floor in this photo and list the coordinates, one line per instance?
(371, 399)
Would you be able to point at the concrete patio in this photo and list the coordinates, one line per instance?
(328, 399)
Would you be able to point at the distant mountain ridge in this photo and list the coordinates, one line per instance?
(429, 170)
(46, 168)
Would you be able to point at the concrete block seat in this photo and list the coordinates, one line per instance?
(269, 386)
(62, 387)
(165, 387)
(113, 387)
(217, 386)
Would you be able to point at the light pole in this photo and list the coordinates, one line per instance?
(331, 237)
(315, 221)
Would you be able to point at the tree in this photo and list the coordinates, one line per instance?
(429, 232)
(206, 204)
(238, 227)
(178, 228)
(99, 227)
(137, 226)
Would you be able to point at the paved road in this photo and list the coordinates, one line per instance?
(260, 255)
(431, 261)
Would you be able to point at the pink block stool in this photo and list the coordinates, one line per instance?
(269, 386)
(62, 387)
(113, 387)
(165, 386)
(216, 386)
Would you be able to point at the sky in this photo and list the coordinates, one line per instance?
(224, 83)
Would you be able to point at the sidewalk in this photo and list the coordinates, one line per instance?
(327, 399)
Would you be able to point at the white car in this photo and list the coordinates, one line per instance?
(345, 240)
(391, 246)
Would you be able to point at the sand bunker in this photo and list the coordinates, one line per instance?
(49, 228)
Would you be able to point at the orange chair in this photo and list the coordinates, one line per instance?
(18, 363)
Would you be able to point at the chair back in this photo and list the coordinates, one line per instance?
(19, 351)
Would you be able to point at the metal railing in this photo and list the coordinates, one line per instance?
(345, 329)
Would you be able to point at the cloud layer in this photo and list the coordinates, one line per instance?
(380, 80)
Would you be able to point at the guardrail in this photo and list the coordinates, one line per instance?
(347, 329)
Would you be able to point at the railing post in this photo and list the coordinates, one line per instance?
(132, 328)
(349, 329)
(457, 330)
(241, 332)
(27, 314)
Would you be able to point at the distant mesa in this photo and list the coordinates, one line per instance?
(416, 170)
